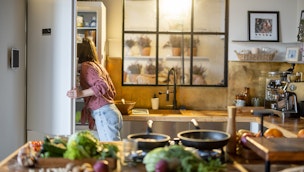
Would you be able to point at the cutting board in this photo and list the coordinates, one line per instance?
(277, 149)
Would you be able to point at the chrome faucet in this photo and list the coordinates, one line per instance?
(172, 70)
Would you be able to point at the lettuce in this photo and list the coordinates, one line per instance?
(180, 160)
(82, 145)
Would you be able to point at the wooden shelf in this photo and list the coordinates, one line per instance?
(248, 41)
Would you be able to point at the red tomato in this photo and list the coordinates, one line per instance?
(36, 145)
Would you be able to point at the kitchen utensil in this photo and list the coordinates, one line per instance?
(203, 139)
(149, 140)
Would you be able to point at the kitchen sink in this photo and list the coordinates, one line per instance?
(164, 111)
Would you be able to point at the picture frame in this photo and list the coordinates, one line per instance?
(292, 54)
(263, 26)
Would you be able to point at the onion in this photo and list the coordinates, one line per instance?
(244, 138)
(101, 166)
(161, 166)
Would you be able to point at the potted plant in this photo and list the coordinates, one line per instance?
(150, 68)
(187, 42)
(175, 42)
(129, 43)
(148, 76)
(134, 70)
(144, 43)
(198, 75)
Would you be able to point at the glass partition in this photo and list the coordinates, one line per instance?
(188, 35)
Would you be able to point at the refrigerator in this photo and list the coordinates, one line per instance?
(52, 64)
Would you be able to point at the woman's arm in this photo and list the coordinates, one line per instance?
(76, 93)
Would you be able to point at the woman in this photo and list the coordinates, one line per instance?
(98, 92)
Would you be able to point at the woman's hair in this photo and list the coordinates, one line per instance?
(86, 51)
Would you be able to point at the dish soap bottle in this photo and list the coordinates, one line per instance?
(155, 102)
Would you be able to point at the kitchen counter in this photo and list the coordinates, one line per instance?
(10, 163)
(234, 164)
(288, 126)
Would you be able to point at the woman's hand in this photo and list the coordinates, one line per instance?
(76, 93)
(72, 93)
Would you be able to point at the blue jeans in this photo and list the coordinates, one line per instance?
(108, 122)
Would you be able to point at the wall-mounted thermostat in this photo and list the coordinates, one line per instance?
(14, 58)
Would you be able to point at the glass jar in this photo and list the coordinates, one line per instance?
(273, 81)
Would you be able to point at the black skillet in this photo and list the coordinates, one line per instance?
(149, 140)
(203, 139)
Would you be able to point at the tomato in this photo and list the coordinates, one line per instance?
(36, 145)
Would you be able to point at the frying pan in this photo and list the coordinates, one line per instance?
(149, 140)
(203, 139)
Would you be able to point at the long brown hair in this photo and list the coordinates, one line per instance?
(86, 51)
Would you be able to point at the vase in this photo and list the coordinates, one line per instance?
(133, 78)
(176, 51)
(188, 51)
(198, 80)
(145, 51)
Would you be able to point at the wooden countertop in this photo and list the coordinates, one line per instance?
(278, 149)
(289, 126)
(10, 163)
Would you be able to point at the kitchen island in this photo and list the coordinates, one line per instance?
(234, 164)
(289, 127)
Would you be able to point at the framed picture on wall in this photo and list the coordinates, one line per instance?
(292, 54)
(263, 26)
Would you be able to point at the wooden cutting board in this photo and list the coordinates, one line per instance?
(277, 149)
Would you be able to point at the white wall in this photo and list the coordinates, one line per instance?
(12, 87)
(289, 15)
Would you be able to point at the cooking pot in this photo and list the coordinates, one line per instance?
(203, 139)
(149, 140)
